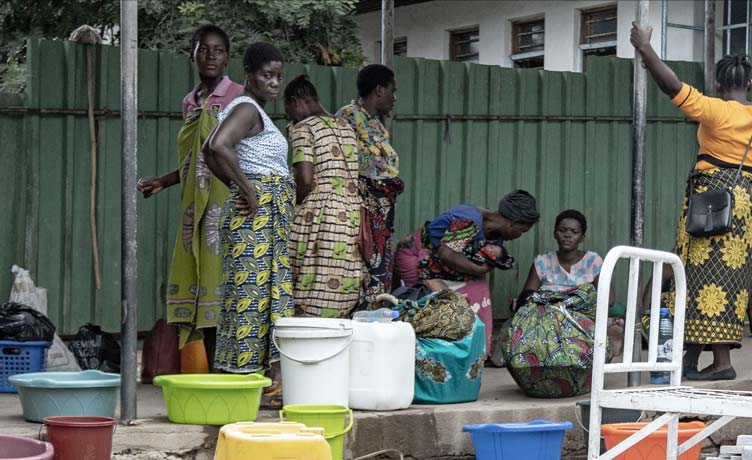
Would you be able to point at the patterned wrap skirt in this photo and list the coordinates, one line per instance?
(257, 276)
(718, 268)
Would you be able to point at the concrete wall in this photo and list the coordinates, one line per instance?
(427, 27)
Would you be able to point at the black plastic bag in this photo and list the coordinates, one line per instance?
(20, 323)
(96, 349)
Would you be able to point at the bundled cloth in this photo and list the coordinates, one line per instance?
(443, 314)
(548, 344)
(450, 347)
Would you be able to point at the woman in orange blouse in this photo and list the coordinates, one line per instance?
(718, 268)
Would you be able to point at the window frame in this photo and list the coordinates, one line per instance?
(400, 41)
(726, 29)
(454, 41)
(583, 47)
(517, 56)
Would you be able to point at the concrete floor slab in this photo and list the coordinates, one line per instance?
(420, 432)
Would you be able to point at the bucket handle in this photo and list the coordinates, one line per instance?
(578, 416)
(310, 361)
(328, 436)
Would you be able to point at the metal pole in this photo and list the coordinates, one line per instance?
(387, 45)
(638, 171)
(128, 245)
(387, 33)
(709, 47)
(664, 27)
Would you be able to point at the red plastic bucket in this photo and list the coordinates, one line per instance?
(20, 448)
(81, 438)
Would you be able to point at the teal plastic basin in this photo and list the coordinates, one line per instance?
(45, 394)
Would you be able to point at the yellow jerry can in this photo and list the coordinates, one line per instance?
(271, 441)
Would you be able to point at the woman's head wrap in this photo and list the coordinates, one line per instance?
(519, 206)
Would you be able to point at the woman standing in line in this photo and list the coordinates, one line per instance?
(194, 289)
(326, 264)
(249, 154)
(378, 170)
(718, 269)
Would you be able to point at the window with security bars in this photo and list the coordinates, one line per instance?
(463, 45)
(598, 33)
(527, 43)
(736, 27)
(399, 47)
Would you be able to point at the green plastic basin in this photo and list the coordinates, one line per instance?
(212, 399)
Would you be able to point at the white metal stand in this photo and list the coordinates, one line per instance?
(673, 400)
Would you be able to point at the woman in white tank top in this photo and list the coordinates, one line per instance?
(249, 154)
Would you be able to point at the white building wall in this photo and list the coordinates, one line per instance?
(427, 27)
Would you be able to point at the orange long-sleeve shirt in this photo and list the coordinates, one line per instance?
(725, 126)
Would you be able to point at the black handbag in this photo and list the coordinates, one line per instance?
(709, 213)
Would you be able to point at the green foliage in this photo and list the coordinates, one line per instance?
(307, 31)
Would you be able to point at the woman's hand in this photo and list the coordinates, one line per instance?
(246, 204)
(640, 36)
(150, 186)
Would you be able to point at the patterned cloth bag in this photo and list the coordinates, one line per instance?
(548, 344)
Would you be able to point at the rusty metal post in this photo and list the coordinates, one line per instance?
(709, 47)
(637, 231)
(387, 45)
(387, 33)
(128, 245)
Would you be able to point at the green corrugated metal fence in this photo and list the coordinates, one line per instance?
(566, 137)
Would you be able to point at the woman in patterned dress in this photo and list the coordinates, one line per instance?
(718, 268)
(194, 289)
(326, 263)
(379, 183)
(249, 154)
(439, 247)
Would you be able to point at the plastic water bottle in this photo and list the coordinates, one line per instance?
(382, 315)
(665, 346)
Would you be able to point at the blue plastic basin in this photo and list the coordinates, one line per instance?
(536, 440)
(85, 393)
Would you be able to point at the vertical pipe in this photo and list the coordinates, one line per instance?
(387, 33)
(128, 245)
(638, 171)
(709, 47)
(387, 44)
(664, 27)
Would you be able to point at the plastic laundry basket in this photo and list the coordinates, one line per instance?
(19, 358)
(536, 440)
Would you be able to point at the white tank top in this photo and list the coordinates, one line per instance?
(266, 152)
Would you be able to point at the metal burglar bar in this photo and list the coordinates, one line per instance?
(527, 43)
(463, 45)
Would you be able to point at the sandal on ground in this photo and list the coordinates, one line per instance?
(271, 399)
(724, 374)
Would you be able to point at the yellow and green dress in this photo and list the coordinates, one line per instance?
(256, 266)
(194, 289)
(718, 268)
(326, 262)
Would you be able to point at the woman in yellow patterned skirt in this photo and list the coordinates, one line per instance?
(718, 268)
(326, 264)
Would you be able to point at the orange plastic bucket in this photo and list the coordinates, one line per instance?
(80, 438)
(654, 446)
(193, 359)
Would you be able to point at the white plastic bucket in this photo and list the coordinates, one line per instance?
(315, 355)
